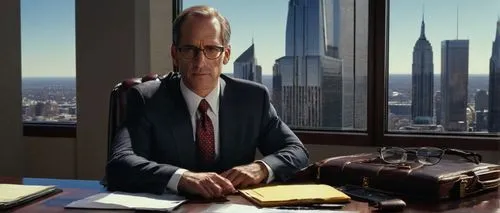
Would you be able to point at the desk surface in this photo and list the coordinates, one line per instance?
(79, 189)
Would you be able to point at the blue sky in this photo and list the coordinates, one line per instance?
(48, 31)
(48, 37)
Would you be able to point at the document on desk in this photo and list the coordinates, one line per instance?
(15, 194)
(137, 201)
(294, 194)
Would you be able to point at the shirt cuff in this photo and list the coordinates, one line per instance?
(270, 176)
(174, 180)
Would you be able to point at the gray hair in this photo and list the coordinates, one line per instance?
(201, 11)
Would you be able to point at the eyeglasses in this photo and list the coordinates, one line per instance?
(427, 156)
(211, 51)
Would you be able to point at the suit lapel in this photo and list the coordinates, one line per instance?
(181, 127)
(226, 125)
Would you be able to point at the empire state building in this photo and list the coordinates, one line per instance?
(422, 80)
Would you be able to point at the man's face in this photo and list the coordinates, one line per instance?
(199, 72)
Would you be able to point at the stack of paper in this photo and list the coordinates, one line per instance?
(122, 200)
(15, 194)
(294, 194)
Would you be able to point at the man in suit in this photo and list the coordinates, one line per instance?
(197, 132)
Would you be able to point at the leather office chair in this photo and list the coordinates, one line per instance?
(118, 106)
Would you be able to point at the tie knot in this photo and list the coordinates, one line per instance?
(203, 107)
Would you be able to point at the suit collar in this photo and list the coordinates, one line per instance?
(193, 100)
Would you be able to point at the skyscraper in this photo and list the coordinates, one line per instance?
(437, 106)
(245, 66)
(277, 98)
(360, 21)
(481, 109)
(494, 94)
(454, 81)
(481, 100)
(312, 80)
(422, 78)
(258, 74)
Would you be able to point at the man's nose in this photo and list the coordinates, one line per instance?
(200, 59)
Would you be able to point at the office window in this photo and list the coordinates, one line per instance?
(444, 67)
(48, 61)
(310, 54)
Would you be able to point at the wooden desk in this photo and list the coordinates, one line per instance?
(79, 189)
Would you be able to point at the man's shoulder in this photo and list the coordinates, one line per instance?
(148, 89)
(242, 84)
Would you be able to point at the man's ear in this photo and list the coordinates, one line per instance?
(227, 54)
(173, 54)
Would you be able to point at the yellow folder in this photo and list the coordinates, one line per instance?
(294, 194)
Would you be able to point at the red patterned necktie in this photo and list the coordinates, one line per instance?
(205, 134)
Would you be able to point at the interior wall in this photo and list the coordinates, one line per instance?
(11, 145)
(113, 42)
(50, 157)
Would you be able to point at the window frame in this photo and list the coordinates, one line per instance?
(378, 77)
(377, 80)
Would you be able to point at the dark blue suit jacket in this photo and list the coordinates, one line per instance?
(157, 136)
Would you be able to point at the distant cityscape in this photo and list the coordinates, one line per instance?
(61, 94)
(49, 99)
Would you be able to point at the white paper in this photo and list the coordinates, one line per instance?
(122, 200)
(238, 208)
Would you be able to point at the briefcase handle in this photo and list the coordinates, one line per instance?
(492, 183)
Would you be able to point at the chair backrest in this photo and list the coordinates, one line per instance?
(118, 104)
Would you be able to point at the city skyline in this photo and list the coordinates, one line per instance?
(49, 25)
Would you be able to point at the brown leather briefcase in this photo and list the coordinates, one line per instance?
(450, 178)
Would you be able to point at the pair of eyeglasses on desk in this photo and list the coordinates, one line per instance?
(427, 156)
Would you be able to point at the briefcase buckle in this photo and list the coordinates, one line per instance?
(463, 187)
(366, 182)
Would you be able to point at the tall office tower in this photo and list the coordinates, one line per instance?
(454, 81)
(245, 66)
(481, 100)
(332, 19)
(276, 99)
(360, 68)
(311, 80)
(258, 74)
(344, 30)
(437, 107)
(494, 94)
(422, 78)
(481, 108)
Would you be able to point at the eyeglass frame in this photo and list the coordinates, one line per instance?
(221, 50)
(477, 158)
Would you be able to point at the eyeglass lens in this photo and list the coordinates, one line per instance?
(429, 155)
(393, 155)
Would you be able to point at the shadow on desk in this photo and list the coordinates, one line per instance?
(486, 200)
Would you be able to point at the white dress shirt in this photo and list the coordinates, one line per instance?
(192, 102)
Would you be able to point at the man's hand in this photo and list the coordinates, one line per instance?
(247, 175)
(208, 185)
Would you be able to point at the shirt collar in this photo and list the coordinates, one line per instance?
(193, 100)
